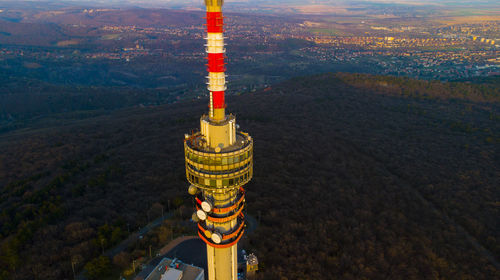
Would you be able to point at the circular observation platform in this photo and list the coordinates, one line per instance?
(230, 168)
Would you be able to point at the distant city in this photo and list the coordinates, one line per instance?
(418, 49)
(144, 48)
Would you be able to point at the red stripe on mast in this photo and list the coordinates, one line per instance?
(218, 99)
(216, 62)
(215, 22)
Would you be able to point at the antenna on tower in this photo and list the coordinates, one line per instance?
(219, 162)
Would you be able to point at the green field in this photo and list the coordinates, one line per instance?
(327, 31)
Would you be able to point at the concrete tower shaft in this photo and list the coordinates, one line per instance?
(219, 162)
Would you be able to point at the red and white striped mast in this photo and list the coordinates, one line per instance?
(216, 66)
(219, 163)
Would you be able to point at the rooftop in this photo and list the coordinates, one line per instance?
(173, 269)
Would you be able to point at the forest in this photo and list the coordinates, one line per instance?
(355, 177)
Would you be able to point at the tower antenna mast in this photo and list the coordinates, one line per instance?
(219, 163)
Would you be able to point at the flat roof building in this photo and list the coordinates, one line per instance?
(172, 274)
(173, 269)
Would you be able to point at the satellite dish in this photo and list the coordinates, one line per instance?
(206, 206)
(192, 190)
(194, 218)
(216, 237)
(201, 215)
(219, 147)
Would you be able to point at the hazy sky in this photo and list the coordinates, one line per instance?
(194, 3)
(285, 1)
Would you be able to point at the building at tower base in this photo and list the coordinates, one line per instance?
(172, 269)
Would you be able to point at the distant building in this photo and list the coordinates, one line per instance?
(389, 39)
(168, 269)
(252, 265)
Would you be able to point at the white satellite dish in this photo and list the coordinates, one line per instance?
(192, 190)
(216, 237)
(201, 215)
(206, 206)
(195, 218)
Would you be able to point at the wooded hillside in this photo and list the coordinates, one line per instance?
(351, 182)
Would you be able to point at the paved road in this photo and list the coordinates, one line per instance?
(251, 224)
(134, 236)
(130, 240)
(191, 250)
(176, 242)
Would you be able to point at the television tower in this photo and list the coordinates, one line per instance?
(219, 162)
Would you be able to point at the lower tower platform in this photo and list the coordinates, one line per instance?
(219, 162)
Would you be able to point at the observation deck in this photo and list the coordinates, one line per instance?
(227, 168)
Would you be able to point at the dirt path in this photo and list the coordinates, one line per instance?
(133, 237)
